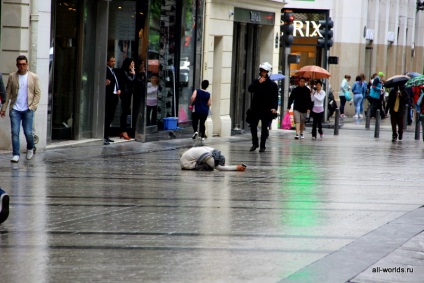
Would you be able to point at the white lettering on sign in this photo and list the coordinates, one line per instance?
(306, 29)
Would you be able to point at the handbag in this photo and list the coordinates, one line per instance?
(348, 96)
(286, 122)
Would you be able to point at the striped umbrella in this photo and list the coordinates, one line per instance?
(417, 81)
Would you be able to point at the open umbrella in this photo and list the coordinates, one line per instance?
(313, 72)
(398, 80)
(417, 81)
(413, 74)
(276, 77)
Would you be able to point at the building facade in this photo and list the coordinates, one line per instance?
(369, 36)
(68, 42)
(183, 42)
(238, 35)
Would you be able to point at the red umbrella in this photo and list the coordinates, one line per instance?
(313, 72)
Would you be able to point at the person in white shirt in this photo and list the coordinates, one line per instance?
(317, 97)
(23, 92)
(206, 158)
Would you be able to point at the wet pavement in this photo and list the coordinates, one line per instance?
(347, 208)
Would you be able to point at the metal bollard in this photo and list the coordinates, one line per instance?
(417, 129)
(377, 124)
(337, 122)
(368, 117)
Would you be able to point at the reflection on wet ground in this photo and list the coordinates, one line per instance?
(127, 213)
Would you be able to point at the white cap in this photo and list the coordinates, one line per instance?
(267, 67)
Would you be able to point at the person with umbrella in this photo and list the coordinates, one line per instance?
(317, 97)
(396, 105)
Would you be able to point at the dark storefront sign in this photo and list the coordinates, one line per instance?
(253, 17)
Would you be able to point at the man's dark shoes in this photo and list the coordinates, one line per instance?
(262, 149)
(4, 206)
(108, 139)
(394, 137)
(254, 147)
(105, 142)
(400, 137)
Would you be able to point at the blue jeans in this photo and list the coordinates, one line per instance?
(15, 124)
(362, 104)
(357, 100)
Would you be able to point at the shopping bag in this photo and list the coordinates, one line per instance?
(348, 96)
(182, 115)
(286, 122)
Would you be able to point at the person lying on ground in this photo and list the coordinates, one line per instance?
(206, 158)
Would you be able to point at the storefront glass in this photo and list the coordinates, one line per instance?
(86, 99)
(163, 37)
(63, 68)
(173, 55)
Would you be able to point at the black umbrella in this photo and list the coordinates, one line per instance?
(398, 80)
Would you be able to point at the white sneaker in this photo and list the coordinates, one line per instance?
(360, 116)
(194, 135)
(30, 154)
(356, 116)
(203, 139)
(15, 158)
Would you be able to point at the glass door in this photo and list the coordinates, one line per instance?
(63, 66)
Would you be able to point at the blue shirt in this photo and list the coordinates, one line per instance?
(357, 87)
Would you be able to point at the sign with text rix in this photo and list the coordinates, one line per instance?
(306, 29)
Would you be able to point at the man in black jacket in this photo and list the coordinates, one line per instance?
(264, 105)
(301, 96)
(112, 96)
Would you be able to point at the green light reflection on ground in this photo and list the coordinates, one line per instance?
(299, 191)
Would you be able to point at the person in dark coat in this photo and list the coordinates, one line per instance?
(112, 96)
(4, 205)
(398, 98)
(264, 105)
(301, 97)
(127, 88)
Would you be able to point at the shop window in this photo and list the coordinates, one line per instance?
(173, 54)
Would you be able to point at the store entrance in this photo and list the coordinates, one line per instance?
(245, 64)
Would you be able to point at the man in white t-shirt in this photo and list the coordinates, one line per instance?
(23, 92)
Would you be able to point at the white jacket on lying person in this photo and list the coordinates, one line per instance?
(206, 158)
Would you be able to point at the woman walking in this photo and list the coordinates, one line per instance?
(201, 101)
(344, 87)
(317, 98)
(357, 96)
